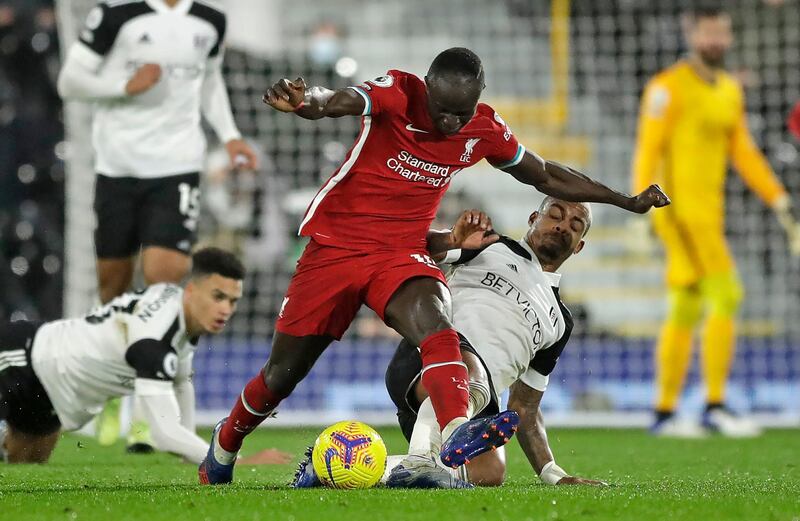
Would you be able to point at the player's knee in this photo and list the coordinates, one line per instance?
(724, 297)
(29, 449)
(111, 286)
(282, 377)
(487, 470)
(173, 272)
(419, 309)
(685, 306)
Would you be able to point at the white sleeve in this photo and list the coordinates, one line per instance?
(160, 407)
(215, 104)
(184, 393)
(534, 379)
(80, 77)
(451, 256)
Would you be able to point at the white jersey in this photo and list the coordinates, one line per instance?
(510, 311)
(156, 133)
(82, 362)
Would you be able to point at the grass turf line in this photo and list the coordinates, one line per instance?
(651, 479)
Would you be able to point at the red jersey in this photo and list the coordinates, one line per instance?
(387, 191)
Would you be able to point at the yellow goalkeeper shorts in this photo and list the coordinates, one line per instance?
(694, 251)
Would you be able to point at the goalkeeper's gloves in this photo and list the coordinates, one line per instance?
(791, 225)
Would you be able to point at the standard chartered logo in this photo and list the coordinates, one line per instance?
(412, 168)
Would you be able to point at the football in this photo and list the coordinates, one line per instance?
(349, 454)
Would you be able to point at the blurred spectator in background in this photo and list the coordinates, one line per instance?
(31, 171)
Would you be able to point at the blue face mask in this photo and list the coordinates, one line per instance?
(324, 50)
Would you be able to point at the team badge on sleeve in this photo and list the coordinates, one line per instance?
(657, 101)
(381, 81)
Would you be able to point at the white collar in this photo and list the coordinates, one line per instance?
(159, 6)
(554, 278)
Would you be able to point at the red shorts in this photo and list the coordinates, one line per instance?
(330, 284)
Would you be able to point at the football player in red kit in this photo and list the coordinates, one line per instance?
(368, 226)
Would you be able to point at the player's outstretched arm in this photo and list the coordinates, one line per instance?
(532, 437)
(472, 231)
(163, 414)
(313, 102)
(565, 183)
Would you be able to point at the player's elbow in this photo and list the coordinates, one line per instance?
(63, 85)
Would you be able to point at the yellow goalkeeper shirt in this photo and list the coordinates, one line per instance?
(688, 128)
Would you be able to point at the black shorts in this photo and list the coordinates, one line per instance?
(133, 213)
(404, 372)
(24, 403)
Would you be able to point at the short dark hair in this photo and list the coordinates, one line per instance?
(210, 260)
(457, 60)
(704, 9)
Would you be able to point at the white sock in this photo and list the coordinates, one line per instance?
(221, 455)
(479, 396)
(426, 438)
(454, 424)
(391, 463)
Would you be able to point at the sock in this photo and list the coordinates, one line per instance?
(719, 345)
(673, 354)
(445, 377)
(426, 438)
(391, 462)
(479, 396)
(663, 415)
(252, 407)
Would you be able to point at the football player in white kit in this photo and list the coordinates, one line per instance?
(151, 69)
(58, 375)
(513, 328)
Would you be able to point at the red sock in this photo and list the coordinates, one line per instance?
(252, 407)
(444, 376)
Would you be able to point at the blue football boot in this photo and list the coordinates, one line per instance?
(211, 471)
(478, 436)
(421, 472)
(305, 476)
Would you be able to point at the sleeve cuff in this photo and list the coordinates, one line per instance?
(451, 256)
(535, 380)
(149, 387)
(514, 161)
(367, 101)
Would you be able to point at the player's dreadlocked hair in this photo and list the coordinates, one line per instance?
(208, 261)
(457, 60)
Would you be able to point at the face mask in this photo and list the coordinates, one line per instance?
(324, 50)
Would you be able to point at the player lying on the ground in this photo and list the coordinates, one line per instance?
(513, 328)
(506, 305)
(368, 226)
(57, 376)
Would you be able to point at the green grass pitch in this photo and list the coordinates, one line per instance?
(651, 479)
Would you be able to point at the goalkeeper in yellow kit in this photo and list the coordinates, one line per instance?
(692, 121)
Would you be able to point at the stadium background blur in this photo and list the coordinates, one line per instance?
(566, 75)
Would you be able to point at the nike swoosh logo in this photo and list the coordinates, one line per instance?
(412, 129)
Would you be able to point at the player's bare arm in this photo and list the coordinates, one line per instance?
(568, 184)
(473, 230)
(532, 434)
(313, 102)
